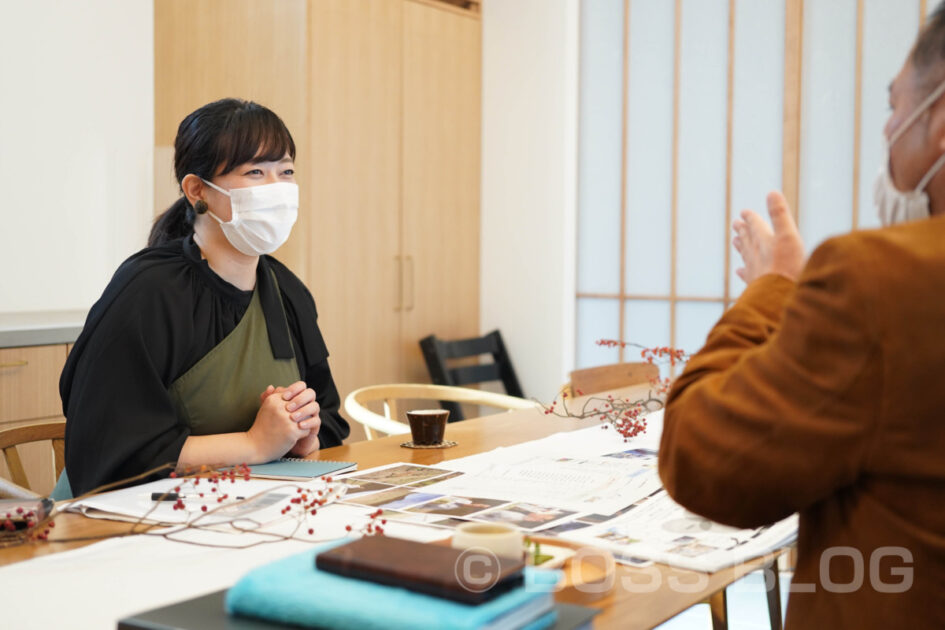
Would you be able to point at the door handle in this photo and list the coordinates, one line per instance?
(410, 306)
(400, 284)
(12, 364)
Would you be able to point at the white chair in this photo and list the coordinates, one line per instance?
(355, 403)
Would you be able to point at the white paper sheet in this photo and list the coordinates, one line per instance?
(97, 585)
(586, 485)
(661, 530)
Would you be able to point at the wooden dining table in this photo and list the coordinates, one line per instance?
(640, 598)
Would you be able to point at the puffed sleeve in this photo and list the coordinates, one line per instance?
(786, 383)
(120, 418)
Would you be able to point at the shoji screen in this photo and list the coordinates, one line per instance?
(692, 110)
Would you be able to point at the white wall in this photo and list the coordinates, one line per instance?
(76, 146)
(529, 179)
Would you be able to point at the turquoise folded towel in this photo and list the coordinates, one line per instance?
(294, 591)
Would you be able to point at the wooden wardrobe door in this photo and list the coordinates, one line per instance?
(441, 177)
(354, 269)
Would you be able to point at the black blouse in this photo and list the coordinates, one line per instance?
(163, 310)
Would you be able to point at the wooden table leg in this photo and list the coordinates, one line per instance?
(719, 608)
(774, 595)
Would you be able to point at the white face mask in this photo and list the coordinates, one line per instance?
(892, 205)
(262, 217)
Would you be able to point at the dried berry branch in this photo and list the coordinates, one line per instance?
(207, 486)
(623, 414)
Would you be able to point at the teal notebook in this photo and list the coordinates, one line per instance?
(294, 469)
(294, 591)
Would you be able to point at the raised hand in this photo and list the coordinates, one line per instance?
(764, 250)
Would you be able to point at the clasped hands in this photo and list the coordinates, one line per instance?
(764, 250)
(287, 421)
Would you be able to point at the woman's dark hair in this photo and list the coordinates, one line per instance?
(214, 140)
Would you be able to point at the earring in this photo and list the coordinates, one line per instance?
(200, 206)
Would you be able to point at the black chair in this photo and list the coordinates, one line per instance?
(437, 352)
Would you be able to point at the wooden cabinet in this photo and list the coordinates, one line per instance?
(383, 100)
(29, 392)
(355, 269)
(441, 178)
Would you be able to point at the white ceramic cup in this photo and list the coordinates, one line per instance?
(499, 538)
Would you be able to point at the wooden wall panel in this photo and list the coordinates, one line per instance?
(252, 49)
(356, 168)
(441, 177)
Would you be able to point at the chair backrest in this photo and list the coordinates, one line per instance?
(356, 401)
(10, 438)
(598, 379)
(438, 353)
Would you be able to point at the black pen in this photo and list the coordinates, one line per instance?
(173, 496)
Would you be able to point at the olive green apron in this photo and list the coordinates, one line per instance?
(220, 393)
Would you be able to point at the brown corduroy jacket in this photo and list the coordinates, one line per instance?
(827, 397)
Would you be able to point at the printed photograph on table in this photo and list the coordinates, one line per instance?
(644, 456)
(691, 549)
(568, 526)
(457, 506)
(452, 523)
(360, 486)
(395, 499)
(525, 515)
(414, 518)
(433, 480)
(617, 536)
(592, 519)
(402, 474)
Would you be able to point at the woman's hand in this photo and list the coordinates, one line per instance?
(765, 251)
(274, 431)
(304, 409)
(307, 445)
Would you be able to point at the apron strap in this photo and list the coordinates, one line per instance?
(274, 312)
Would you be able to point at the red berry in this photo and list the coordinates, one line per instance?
(203, 508)
(310, 531)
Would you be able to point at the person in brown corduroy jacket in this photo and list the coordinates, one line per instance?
(822, 389)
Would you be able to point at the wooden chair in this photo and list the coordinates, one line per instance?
(438, 353)
(356, 401)
(10, 438)
(605, 377)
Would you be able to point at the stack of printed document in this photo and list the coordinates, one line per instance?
(586, 486)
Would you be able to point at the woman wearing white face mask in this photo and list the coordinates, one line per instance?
(204, 349)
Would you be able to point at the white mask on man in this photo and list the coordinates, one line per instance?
(262, 216)
(892, 205)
